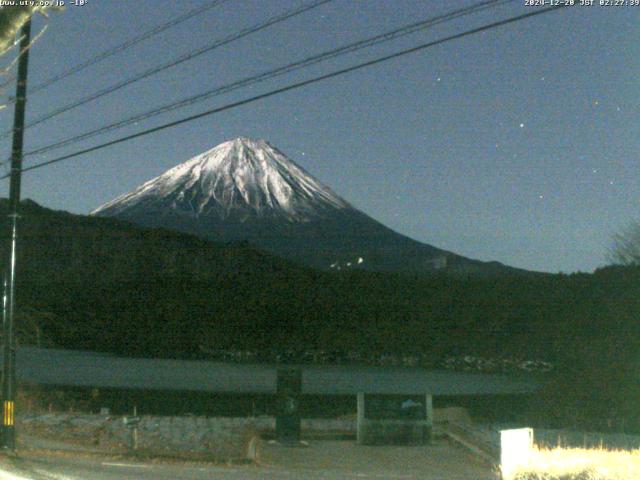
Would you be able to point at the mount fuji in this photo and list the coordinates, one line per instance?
(247, 190)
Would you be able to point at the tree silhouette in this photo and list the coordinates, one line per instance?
(626, 246)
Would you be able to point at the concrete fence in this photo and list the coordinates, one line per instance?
(216, 438)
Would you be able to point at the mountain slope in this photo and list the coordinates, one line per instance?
(246, 190)
(107, 285)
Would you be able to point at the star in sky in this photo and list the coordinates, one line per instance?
(482, 60)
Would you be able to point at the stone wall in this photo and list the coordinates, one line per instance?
(218, 439)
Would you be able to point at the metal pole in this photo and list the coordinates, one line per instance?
(9, 365)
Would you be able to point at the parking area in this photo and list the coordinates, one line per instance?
(319, 460)
(346, 459)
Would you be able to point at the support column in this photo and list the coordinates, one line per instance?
(9, 300)
(429, 418)
(288, 391)
(360, 425)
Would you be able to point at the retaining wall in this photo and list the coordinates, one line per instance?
(219, 439)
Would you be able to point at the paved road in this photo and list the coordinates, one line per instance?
(326, 460)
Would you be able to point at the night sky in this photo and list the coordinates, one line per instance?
(519, 144)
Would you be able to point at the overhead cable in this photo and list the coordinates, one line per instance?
(294, 86)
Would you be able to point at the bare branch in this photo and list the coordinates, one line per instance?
(626, 246)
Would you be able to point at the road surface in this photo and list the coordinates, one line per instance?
(326, 460)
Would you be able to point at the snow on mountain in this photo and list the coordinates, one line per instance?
(237, 179)
(247, 190)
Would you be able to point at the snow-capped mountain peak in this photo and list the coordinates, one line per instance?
(238, 179)
(245, 190)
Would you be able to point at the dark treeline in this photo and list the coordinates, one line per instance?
(101, 284)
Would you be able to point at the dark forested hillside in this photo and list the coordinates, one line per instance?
(102, 284)
(107, 285)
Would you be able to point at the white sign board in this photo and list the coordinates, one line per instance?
(515, 450)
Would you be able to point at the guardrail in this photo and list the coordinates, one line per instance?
(479, 441)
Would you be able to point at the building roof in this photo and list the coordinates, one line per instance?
(90, 369)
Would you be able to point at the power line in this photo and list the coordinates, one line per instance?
(125, 46)
(177, 61)
(385, 37)
(16, 61)
(293, 87)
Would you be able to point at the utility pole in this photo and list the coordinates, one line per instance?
(9, 354)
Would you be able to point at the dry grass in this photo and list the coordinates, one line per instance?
(580, 464)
